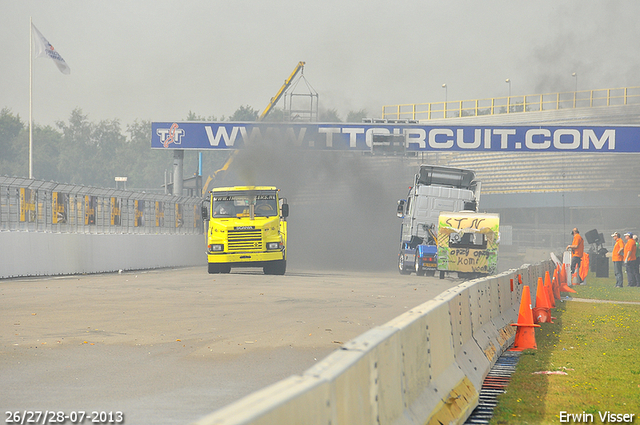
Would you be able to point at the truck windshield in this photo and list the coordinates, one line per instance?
(240, 205)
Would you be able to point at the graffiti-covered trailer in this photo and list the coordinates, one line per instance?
(435, 189)
(468, 242)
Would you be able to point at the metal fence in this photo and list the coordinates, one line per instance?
(40, 206)
(513, 104)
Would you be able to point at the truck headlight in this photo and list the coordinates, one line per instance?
(273, 245)
(216, 247)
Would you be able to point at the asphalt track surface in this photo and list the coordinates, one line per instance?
(171, 346)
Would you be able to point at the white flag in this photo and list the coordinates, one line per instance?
(45, 49)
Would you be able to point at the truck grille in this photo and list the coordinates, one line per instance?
(245, 240)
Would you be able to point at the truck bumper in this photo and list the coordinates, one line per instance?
(245, 259)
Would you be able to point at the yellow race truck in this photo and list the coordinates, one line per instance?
(247, 228)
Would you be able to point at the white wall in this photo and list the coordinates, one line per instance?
(38, 254)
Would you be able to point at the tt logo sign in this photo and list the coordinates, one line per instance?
(170, 135)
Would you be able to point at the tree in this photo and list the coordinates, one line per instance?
(77, 154)
(191, 116)
(11, 128)
(90, 153)
(144, 167)
(244, 113)
(46, 150)
(329, 115)
(357, 116)
(276, 115)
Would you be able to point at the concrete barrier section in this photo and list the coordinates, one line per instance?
(46, 254)
(425, 366)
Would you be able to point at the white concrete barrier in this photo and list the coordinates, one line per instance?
(42, 254)
(425, 366)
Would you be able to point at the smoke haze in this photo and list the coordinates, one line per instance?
(343, 205)
(158, 60)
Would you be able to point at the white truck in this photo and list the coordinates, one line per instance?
(435, 189)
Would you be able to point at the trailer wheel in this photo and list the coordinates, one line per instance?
(441, 274)
(402, 267)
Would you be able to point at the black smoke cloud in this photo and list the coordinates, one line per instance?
(343, 204)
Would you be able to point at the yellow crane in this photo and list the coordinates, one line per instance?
(299, 68)
(272, 103)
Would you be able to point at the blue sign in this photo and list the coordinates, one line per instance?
(417, 137)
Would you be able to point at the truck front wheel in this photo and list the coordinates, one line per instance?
(215, 268)
(277, 268)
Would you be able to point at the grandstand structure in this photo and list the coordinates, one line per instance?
(544, 195)
(513, 104)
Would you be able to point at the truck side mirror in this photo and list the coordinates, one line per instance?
(205, 213)
(471, 206)
(400, 212)
(285, 210)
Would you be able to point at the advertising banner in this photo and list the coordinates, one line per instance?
(417, 137)
(159, 214)
(27, 205)
(90, 203)
(138, 207)
(178, 215)
(115, 212)
(59, 207)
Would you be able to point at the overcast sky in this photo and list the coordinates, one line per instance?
(159, 59)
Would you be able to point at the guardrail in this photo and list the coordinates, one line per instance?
(49, 228)
(425, 366)
(40, 206)
(513, 104)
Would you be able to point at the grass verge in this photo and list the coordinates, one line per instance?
(596, 348)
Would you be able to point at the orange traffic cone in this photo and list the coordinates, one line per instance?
(555, 284)
(547, 286)
(564, 287)
(542, 312)
(583, 270)
(563, 274)
(525, 335)
(555, 287)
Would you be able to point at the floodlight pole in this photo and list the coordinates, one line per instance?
(444, 86)
(30, 98)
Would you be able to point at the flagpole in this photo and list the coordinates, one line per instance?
(30, 98)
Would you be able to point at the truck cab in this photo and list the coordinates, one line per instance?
(435, 189)
(247, 228)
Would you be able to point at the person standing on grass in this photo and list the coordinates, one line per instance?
(577, 249)
(636, 263)
(617, 256)
(630, 260)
